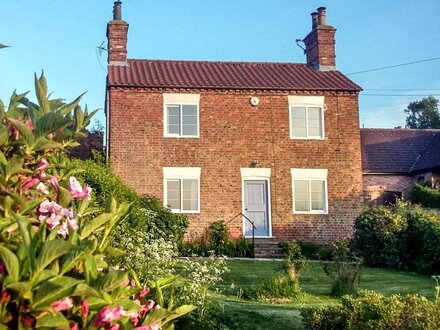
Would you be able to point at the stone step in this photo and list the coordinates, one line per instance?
(267, 248)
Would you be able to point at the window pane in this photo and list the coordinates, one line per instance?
(173, 119)
(298, 122)
(189, 110)
(190, 130)
(173, 194)
(318, 195)
(190, 195)
(189, 120)
(301, 195)
(315, 121)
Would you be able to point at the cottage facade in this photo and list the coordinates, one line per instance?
(275, 143)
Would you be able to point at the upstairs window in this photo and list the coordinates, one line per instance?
(181, 115)
(309, 190)
(306, 117)
(181, 189)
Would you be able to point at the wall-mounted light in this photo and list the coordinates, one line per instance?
(254, 101)
(255, 163)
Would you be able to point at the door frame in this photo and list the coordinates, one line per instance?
(256, 174)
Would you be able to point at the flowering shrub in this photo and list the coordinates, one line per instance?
(54, 248)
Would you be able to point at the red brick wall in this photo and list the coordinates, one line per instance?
(232, 134)
(117, 41)
(376, 184)
(320, 46)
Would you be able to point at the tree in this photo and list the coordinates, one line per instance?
(423, 114)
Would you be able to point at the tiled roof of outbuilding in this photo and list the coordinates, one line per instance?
(226, 75)
(400, 150)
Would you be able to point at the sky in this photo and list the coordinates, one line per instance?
(62, 38)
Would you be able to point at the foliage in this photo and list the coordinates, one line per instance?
(425, 196)
(54, 248)
(148, 215)
(424, 235)
(344, 271)
(371, 310)
(240, 247)
(218, 235)
(311, 251)
(423, 113)
(294, 265)
(380, 236)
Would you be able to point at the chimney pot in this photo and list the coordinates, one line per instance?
(314, 20)
(321, 16)
(117, 12)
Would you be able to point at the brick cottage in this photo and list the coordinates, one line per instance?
(278, 142)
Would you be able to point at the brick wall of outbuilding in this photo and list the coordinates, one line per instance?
(233, 134)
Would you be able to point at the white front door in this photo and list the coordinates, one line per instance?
(256, 207)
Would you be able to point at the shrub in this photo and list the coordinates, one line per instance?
(344, 271)
(311, 251)
(294, 264)
(370, 310)
(380, 236)
(54, 249)
(425, 195)
(218, 237)
(424, 236)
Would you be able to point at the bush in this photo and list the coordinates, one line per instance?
(310, 250)
(425, 195)
(380, 236)
(370, 310)
(148, 214)
(424, 236)
(344, 271)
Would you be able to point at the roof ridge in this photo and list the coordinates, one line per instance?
(220, 62)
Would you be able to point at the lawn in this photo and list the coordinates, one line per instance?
(315, 285)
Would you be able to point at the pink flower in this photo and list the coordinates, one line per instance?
(2, 268)
(73, 223)
(67, 213)
(49, 207)
(54, 182)
(62, 304)
(74, 326)
(143, 327)
(42, 164)
(150, 305)
(64, 230)
(156, 307)
(30, 182)
(134, 321)
(53, 220)
(85, 308)
(144, 292)
(42, 188)
(114, 327)
(77, 191)
(106, 315)
(30, 124)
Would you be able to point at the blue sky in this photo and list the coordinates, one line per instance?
(61, 38)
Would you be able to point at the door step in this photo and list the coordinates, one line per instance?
(267, 248)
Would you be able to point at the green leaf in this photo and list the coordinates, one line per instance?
(156, 316)
(94, 224)
(54, 289)
(24, 130)
(14, 165)
(178, 312)
(30, 206)
(73, 257)
(51, 251)
(114, 252)
(43, 144)
(4, 135)
(83, 289)
(90, 270)
(42, 276)
(112, 280)
(79, 118)
(11, 262)
(67, 108)
(49, 123)
(56, 321)
(25, 230)
(64, 197)
(41, 93)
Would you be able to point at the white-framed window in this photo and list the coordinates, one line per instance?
(306, 117)
(182, 189)
(309, 191)
(181, 115)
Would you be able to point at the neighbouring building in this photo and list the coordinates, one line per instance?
(276, 142)
(393, 160)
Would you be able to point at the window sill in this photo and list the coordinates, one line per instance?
(185, 212)
(311, 212)
(307, 138)
(182, 136)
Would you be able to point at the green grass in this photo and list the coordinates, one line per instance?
(315, 286)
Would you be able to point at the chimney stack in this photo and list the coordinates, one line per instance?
(117, 30)
(320, 43)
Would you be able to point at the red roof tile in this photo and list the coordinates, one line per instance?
(403, 151)
(226, 75)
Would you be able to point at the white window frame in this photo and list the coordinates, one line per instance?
(310, 175)
(181, 173)
(306, 101)
(179, 100)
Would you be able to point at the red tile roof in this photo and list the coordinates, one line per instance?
(226, 75)
(403, 151)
